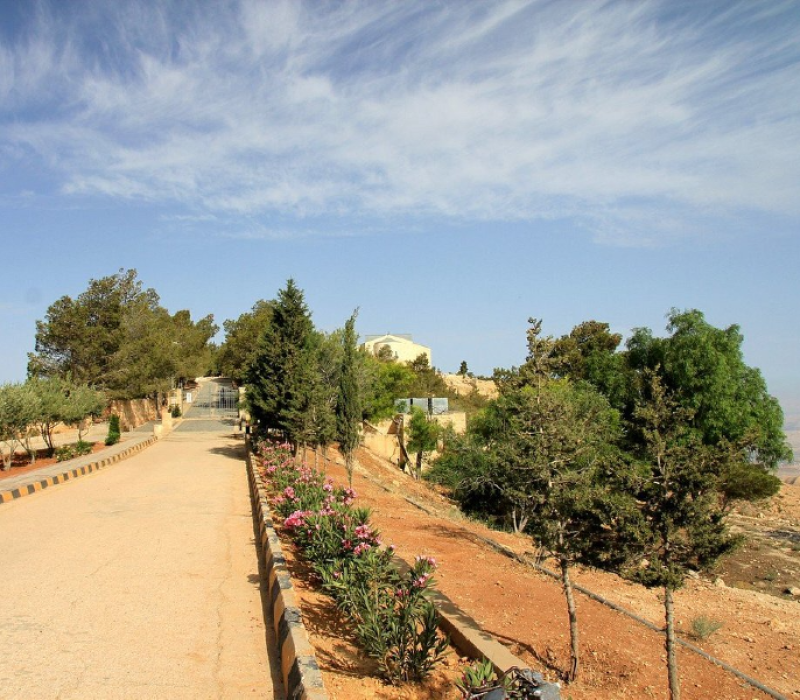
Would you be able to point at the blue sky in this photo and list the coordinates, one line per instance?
(451, 168)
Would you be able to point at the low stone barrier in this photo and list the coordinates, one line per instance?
(302, 678)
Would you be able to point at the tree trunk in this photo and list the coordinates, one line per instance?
(572, 674)
(418, 472)
(672, 661)
(348, 463)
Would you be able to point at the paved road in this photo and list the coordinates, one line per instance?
(140, 581)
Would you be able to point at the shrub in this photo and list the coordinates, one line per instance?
(390, 616)
(76, 449)
(113, 430)
(175, 412)
(392, 619)
(703, 627)
(478, 677)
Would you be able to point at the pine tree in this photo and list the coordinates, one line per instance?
(281, 378)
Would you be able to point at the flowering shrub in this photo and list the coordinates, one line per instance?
(391, 617)
(393, 620)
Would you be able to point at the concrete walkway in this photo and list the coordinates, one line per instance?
(139, 581)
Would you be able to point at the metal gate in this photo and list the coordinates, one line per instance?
(217, 398)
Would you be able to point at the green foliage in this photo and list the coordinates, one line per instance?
(81, 402)
(681, 522)
(349, 409)
(176, 411)
(17, 412)
(282, 377)
(393, 620)
(384, 382)
(589, 353)
(77, 449)
(51, 395)
(423, 436)
(388, 612)
(478, 677)
(463, 370)
(703, 369)
(117, 337)
(703, 627)
(242, 337)
(113, 436)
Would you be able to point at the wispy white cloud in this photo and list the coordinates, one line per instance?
(508, 110)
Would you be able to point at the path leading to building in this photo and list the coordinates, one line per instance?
(138, 581)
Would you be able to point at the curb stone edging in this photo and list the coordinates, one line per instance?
(302, 677)
(20, 491)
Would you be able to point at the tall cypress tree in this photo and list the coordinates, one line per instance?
(350, 405)
(280, 380)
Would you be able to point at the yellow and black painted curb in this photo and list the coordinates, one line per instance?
(28, 489)
(302, 679)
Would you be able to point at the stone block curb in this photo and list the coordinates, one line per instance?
(302, 677)
(28, 489)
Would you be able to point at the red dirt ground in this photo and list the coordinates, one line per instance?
(21, 463)
(524, 609)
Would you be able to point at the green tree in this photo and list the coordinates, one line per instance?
(680, 523)
(115, 336)
(80, 337)
(82, 402)
(589, 353)
(703, 369)
(423, 436)
(553, 447)
(282, 375)
(463, 370)
(49, 408)
(382, 384)
(159, 351)
(242, 337)
(328, 348)
(427, 381)
(349, 409)
(16, 414)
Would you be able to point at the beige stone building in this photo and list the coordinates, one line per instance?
(402, 346)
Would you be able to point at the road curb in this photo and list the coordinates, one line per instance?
(302, 677)
(28, 489)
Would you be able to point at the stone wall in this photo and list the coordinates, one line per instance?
(134, 412)
(381, 439)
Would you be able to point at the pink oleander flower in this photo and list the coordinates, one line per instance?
(363, 532)
(296, 519)
(347, 544)
(421, 581)
(361, 548)
(289, 492)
